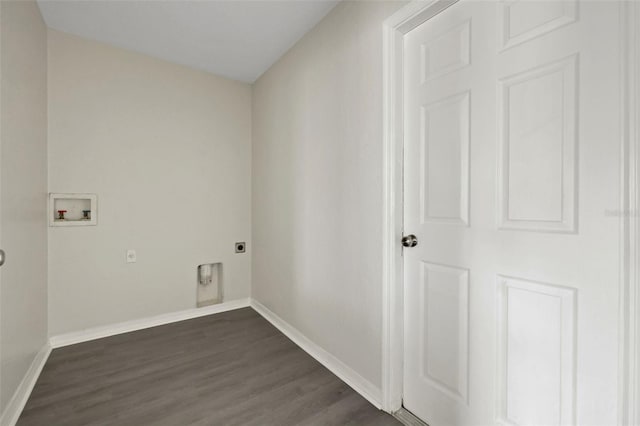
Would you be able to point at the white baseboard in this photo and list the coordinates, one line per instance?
(21, 395)
(139, 324)
(361, 385)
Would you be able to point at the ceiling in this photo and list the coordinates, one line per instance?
(235, 39)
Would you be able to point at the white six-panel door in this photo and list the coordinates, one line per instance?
(512, 183)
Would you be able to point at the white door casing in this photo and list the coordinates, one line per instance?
(513, 137)
(629, 365)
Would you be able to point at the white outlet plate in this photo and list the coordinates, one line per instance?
(131, 256)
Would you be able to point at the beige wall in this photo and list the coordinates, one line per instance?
(23, 191)
(317, 185)
(167, 150)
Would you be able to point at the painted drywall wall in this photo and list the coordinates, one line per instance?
(317, 185)
(23, 191)
(167, 150)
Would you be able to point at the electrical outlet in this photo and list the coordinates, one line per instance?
(131, 256)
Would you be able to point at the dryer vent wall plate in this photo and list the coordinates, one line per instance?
(210, 289)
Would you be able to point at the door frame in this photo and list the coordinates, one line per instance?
(629, 363)
(394, 29)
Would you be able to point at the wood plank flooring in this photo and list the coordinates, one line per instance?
(232, 368)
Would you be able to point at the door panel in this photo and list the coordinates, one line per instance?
(538, 113)
(439, 283)
(512, 159)
(444, 350)
(444, 152)
(537, 342)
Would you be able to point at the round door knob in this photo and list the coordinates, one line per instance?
(409, 241)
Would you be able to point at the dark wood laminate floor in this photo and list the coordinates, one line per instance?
(232, 368)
